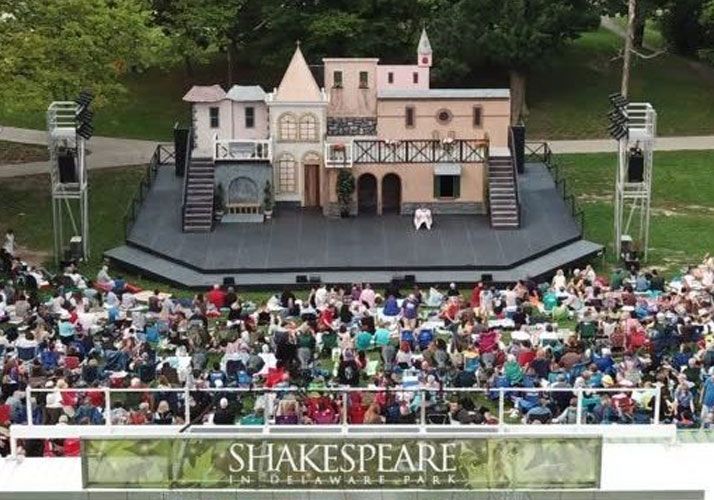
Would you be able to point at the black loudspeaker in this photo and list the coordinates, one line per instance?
(410, 279)
(636, 166)
(301, 278)
(181, 149)
(518, 147)
(487, 278)
(315, 278)
(67, 167)
(229, 281)
(75, 248)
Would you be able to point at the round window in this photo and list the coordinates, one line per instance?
(443, 116)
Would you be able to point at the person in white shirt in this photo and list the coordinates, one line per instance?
(9, 244)
(559, 280)
(321, 297)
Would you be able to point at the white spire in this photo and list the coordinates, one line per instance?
(424, 44)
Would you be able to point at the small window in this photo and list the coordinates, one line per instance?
(415, 77)
(443, 116)
(363, 80)
(213, 116)
(337, 79)
(478, 116)
(409, 116)
(249, 117)
(390, 77)
(447, 186)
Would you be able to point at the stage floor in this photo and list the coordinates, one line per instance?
(303, 241)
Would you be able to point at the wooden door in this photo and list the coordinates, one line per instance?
(312, 185)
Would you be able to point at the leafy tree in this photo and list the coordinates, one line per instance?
(644, 9)
(681, 25)
(52, 50)
(514, 34)
(706, 20)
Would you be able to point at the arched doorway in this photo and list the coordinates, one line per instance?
(366, 194)
(391, 194)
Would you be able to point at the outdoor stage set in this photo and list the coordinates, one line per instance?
(310, 183)
(300, 245)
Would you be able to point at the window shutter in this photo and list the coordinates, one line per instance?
(437, 186)
(457, 186)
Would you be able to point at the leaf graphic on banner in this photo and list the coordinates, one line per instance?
(201, 472)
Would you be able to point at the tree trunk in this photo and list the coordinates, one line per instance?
(519, 108)
(627, 56)
(229, 57)
(188, 65)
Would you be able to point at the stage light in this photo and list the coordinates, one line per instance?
(616, 131)
(85, 130)
(85, 98)
(84, 114)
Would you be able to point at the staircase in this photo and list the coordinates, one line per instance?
(503, 192)
(198, 196)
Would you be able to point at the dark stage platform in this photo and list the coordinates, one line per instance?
(458, 248)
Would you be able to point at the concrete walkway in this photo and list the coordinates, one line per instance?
(701, 142)
(105, 152)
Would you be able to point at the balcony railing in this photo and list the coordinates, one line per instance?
(242, 150)
(338, 155)
(420, 151)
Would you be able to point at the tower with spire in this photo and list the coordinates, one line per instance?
(424, 50)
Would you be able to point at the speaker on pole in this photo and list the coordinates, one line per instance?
(181, 148)
(636, 165)
(67, 167)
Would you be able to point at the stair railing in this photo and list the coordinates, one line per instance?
(514, 172)
(186, 174)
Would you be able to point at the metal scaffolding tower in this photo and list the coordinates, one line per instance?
(68, 181)
(633, 189)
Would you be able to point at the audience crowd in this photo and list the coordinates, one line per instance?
(405, 354)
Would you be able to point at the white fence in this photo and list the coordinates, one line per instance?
(503, 402)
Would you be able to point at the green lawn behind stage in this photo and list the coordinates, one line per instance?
(567, 95)
(682, 203)
(683, 207)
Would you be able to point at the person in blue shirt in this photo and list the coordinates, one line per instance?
(391, 307)
(707, 397)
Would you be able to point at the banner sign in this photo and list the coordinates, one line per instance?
(480, 463)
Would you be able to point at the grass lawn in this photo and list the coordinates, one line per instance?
(682, 205)
(568, 96)
(15, 152)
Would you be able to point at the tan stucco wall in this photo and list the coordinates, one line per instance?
(495, 119)
(417, 182)
(351, 100)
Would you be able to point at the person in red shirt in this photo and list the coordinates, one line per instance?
(217, 297)
(476, 296)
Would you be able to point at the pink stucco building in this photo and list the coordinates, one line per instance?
(406, 144)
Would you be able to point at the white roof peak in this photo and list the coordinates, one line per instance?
(424, 44)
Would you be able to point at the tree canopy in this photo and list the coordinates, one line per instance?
(52, 50)
(514, 34)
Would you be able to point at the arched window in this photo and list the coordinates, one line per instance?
(311, 158)
(308, 127)
(287, 126)
(286, 174)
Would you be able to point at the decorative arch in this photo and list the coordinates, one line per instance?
(367, 194)
(243, 190)
(311, 158)
(308, 127)
(287, 127)
(287, 177)
(391, 194)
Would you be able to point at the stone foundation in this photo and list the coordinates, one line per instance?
(351, 126)
(451, 208)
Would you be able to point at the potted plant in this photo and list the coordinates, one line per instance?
(268, 200)
(345, 188)
(218, 203)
